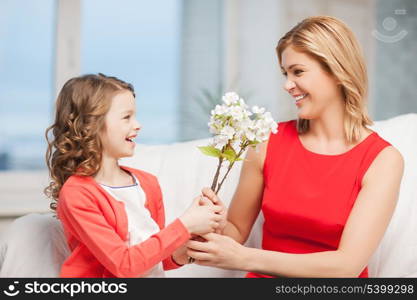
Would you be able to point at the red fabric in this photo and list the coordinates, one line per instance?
(96, 228)
(308, 196)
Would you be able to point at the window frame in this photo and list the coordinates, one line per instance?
(28, 196)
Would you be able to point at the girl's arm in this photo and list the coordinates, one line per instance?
(80, 214)
(363, 231)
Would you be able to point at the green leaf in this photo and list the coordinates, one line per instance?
(229, 154)
(210, 151)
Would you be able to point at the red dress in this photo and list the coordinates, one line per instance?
(308, 196)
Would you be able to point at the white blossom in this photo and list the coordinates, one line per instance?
(234, 125)
(220, 141)
(232, 122)
(220, 110)
(228, 131)
(250, 134)
(237, 113)
(258, 110)
(230, 98)
(243, 104)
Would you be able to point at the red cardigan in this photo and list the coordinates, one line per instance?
(96, 229)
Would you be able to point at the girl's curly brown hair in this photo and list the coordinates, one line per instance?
(75, 146)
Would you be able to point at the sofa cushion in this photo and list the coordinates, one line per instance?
(396, 255)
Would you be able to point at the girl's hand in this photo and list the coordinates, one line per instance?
(180, 255)
(210, 198)
(201, 219)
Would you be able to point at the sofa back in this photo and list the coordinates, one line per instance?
(182, 171)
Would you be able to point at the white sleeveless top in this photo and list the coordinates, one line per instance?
(140, 223)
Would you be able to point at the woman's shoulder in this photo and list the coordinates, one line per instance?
(388, 163)
(291, 122)
(285, 127)
(383, 149)
(286, 130)
(259, 153)
(287, 124)
(391, 156)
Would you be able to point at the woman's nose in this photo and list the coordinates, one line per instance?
(289, 85)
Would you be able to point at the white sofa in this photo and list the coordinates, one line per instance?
(182, 171)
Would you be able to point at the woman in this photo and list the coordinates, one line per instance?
(327, 185)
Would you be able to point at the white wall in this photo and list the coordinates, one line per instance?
(260, 24)
(396, 58)
(247, 61)
(201, 62)
(68, 42)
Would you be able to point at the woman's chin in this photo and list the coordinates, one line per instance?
(304, 115)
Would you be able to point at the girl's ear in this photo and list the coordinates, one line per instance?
(100, 133)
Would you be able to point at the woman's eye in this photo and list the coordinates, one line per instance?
(127, 117)
(284, 73)
(298, 72)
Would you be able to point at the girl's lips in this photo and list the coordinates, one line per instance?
(130, 142)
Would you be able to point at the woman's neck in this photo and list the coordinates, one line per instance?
(327, 130)
(326, 134)
(111, 174)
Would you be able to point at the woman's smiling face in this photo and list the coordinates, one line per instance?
(314, 89)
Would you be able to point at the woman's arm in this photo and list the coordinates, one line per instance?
(363, 231)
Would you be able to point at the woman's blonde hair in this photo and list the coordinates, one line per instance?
(75, 146)
(335, 47)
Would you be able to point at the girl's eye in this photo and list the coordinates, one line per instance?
(127, 117)
(284, 73)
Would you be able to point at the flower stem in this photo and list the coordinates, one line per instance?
(224, 177)
(216, 176)
(228, 170)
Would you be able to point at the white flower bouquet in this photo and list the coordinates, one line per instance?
(235, 128)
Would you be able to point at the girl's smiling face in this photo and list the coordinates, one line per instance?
(121, 126)
(314, 89)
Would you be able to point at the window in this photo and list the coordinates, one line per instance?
(26, 81)
(138, 42)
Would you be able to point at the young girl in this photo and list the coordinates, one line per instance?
(113, 216)
(327, 185)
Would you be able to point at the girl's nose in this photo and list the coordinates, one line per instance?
(138, 126)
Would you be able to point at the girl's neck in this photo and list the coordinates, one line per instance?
(111, 174)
